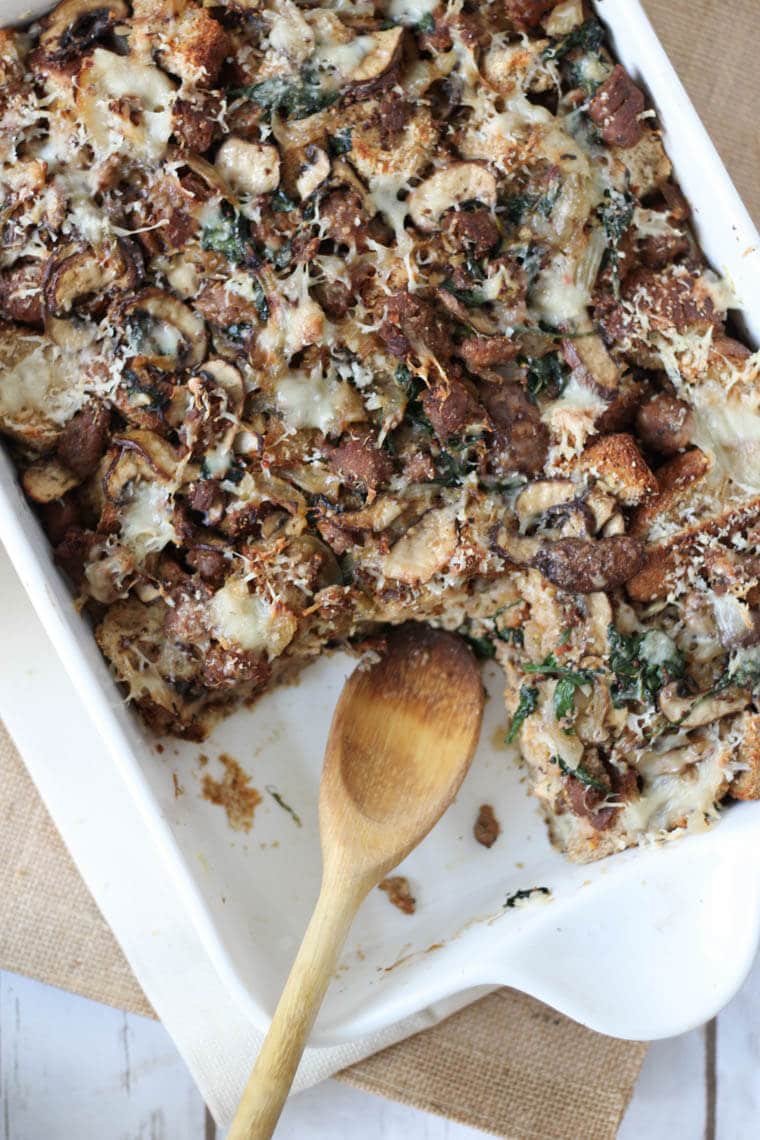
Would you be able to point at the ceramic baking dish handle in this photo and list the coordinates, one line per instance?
(691, 929)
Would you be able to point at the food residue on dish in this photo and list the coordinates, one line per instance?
(487, 828)
(399, 893)
(178, 789)
(525, 897)
(233, 792)
(278, 799)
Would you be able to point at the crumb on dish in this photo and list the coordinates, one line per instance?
(399, 893)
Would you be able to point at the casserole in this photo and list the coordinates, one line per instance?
(440, 875)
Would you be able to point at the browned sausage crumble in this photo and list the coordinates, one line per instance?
(317, 319)
(399, 893)
(487, 828)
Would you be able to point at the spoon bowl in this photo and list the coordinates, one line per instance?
(403, 735)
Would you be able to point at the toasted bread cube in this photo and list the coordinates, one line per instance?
(620, 466)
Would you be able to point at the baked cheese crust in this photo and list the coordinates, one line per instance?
(316, 319)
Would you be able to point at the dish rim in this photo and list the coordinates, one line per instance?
(73, 640)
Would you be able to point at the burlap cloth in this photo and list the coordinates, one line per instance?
(507, 1064)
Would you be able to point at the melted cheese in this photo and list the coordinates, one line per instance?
(730, 431)
(411, 11)
(318, 401)
(127, 105)
(685, 800)
(249, 620)
(146, 525)
(41, 383)
(557, 297)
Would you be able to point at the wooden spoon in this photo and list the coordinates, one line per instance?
(402, 738)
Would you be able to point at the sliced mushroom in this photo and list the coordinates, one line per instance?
(48, 480)
(315, 170)
(588, 357)
(165, 332)
(570, 520)
(518, 550)
(229, 379)
(326, 568)
(451, 186)
(614, 525)
(375, 70)
(74, 25)
(83, 275)
(137, 454)
(564, 17)
(582, 566)
(208, 173)
(601, 505)
(377, 516)
(478, 319)
(425, 549)
(249, 167)
(539, 497)
(691, 712)
(73, 334)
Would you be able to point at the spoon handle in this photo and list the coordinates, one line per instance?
(269, 1083)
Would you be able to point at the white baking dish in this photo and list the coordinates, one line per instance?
(646, 944)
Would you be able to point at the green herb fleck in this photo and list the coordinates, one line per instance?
(425, 26)
(526, 705)
(743, 673)
(518, 206)
(406, 379)
(228, 236)
(569, 680)
(292, 100)
(284, 805)
(280, 258)
(581, 774)
(642, 664)
(472, 298)
(550, 667)
(451, 471)
(482, 647)
(564, 696)
(548, 200)
(513, 636)
(588, 37)
(616, 214)
(281, 202)
(260, 300)
(547, 375)
(340, 143)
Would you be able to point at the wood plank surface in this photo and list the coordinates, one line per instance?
(71, 1069)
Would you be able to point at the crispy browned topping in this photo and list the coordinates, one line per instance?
(315, 320)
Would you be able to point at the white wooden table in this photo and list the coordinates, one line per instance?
(71, 1069)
